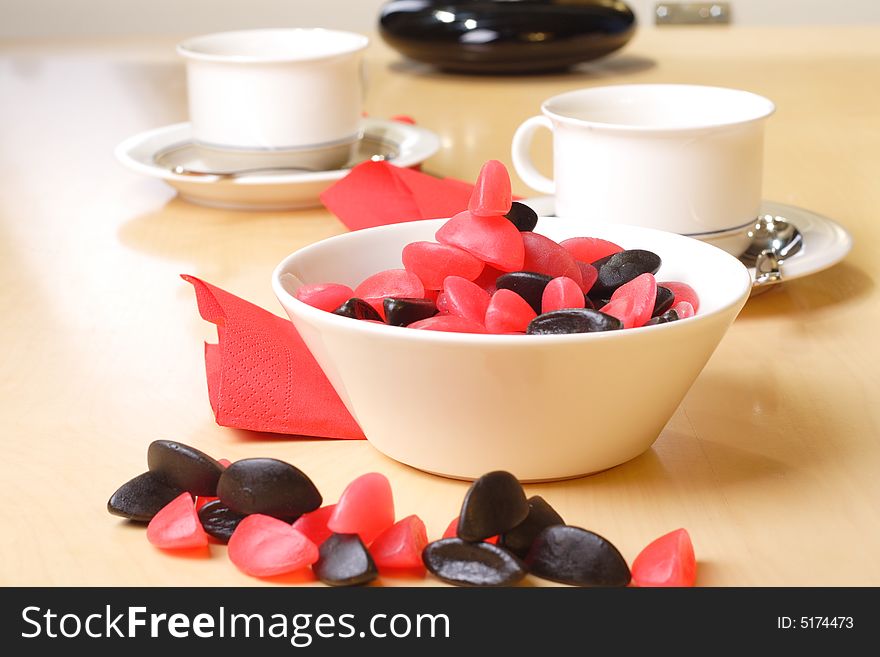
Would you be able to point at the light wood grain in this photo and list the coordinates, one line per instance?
(771, 462)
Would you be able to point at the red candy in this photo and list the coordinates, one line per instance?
(491, 195)
(684, 309)
(433, 262)
(589, 249)
(487, 279)
(326, 296)
(449, 324)
(641, 293)
(400, 546)
(452, 529)
(313, 525)
(622, 309)
(389, 283)
(494, 239)
(464, 299)
(263, 546)
(177, 525)
(226, 462)
(508, 313)
(544, 256)
(683, 292)
(667, 561)
(562, 292)
(366, 508)
(589, 274)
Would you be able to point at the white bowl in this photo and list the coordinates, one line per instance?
(541, 407)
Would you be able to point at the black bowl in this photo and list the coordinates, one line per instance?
(506, 36)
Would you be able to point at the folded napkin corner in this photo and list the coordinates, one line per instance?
(261, 376)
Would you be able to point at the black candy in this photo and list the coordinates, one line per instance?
(663, 302)
(522, 216)
(184, 467)
(218, 520)
(495, 503)
(358, 309)
(665, 318)
(344, 561)
(268, 486)
(472, 564)
(541, 515)
(403, 311)
(572, 555)
(619, 268)
(573, 320)
(141, 498)
(597, 300)
(529, 285)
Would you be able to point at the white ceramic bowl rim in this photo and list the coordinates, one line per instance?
(480, 339)
(272, 45)
(738, 108)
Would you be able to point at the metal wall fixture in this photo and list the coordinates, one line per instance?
(692, 13)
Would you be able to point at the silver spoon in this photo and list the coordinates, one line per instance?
(773, 240)
(181, 170)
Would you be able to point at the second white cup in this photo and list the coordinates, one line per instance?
(290, 97)
(682, 158)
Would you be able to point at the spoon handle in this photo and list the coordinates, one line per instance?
(767, 270)
(181, 170)
(184, 171)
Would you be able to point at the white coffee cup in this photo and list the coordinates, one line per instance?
(682, 158)
(289, 96)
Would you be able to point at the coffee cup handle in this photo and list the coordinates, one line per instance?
(522, 160)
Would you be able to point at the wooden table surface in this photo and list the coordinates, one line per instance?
(772, 462)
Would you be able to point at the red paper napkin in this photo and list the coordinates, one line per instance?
(379, 193)
(261, 375)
